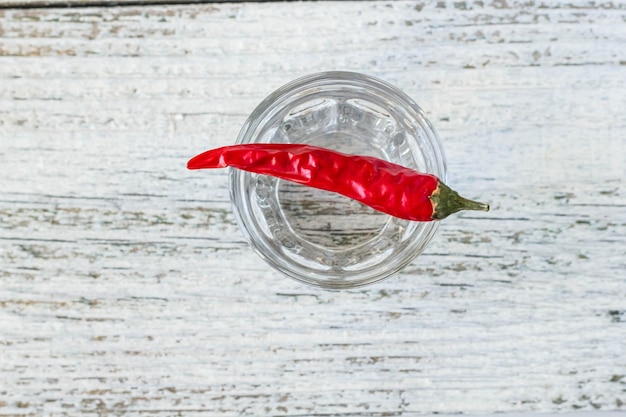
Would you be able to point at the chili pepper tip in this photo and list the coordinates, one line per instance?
(193, 163)
(447, 201)
(210, 159)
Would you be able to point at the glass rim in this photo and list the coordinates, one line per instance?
(278, 100)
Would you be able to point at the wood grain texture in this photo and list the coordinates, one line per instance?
(126, 287)
(45, 4)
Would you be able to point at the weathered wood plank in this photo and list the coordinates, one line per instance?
(127, 288)
(32, 4)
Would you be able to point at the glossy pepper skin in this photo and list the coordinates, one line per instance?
(382, 185)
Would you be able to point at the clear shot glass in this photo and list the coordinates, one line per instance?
(319, 237)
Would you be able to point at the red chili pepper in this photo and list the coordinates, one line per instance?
(382, 185)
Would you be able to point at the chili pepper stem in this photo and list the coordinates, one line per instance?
(447, 201)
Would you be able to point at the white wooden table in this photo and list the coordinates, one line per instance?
(126, 287)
